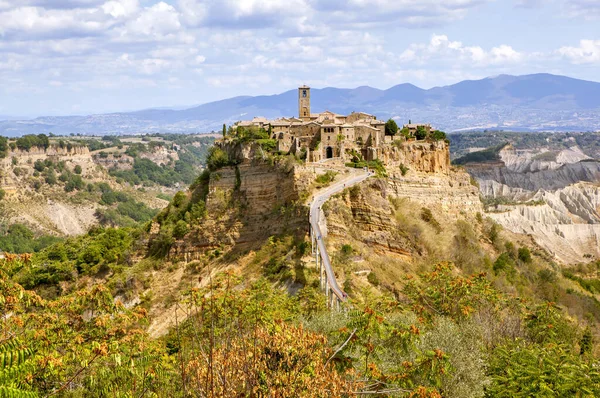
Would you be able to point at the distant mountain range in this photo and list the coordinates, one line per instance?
(540, 102)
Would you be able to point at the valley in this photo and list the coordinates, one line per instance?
(547, 190)
(432, 275)
(63, 186)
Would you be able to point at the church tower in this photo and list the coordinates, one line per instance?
(304, 103)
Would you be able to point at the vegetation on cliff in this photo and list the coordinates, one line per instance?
(452, 307)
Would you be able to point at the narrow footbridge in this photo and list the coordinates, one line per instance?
(335, 295)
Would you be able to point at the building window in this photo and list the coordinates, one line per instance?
(328, 137)
(304, 93)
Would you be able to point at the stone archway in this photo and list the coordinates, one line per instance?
(329, 152)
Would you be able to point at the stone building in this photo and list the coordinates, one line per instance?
(324, 135)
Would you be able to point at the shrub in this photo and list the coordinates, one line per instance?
(524, 255)
(373, 279)
(77, 169)
(438, 135)
(403, 169)
(347, 249)
(421, 133)
(217, 158)
(51, 177)
(180, 230)
(504, 262)
(39, 165)
(326, 178)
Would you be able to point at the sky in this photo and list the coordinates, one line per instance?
(66, 57)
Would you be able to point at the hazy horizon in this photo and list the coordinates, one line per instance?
(66, 57)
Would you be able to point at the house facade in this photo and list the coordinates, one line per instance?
(324, 135)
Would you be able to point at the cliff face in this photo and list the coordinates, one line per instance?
(249, 203)
(420, 156)
(256, 199)
(553, 196)
(368, 215)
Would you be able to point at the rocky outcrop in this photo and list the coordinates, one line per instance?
(452, 192)
(367, 214)
(249, 203)
(420, 156)
(160, 155)
(553, 197)
(52, 150)
(264, 196)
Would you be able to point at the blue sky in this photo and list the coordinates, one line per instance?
(62, 57)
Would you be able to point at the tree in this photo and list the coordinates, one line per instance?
(3, 146)
(77, 169)
(421, 133)
(181, 229)
(391, 128)
(438, 135)
(224, 130)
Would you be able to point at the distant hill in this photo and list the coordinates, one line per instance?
(540, 102)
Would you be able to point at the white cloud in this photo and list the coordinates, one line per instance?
(121, 8)
(588, 52)
(38, 21)
(441, 48)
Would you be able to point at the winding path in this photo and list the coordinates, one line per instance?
(319, 199)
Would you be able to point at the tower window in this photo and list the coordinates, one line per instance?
(304, 93)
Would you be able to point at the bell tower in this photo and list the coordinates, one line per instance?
(304, 103)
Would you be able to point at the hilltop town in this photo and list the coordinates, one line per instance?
(318, 136)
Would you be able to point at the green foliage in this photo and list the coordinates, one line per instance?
(524, 255)
(128, 211)
(267, 144)
(77, 169)
(442, 293)
(18, 238)
(488, 155)
(217, 159)
(403, 169)
(504, 263)
(592, 285)
(391, 127)
(326, 178)
(2, 193)
(39, 165)
(161, 245)
(421, 133)
(29, 141)
(3, 147)
(373, 279)
(347, 249)
(180, 230)
(523, 369)
(405, 132)
(376, 165)
(251, 133)
(438, 135)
